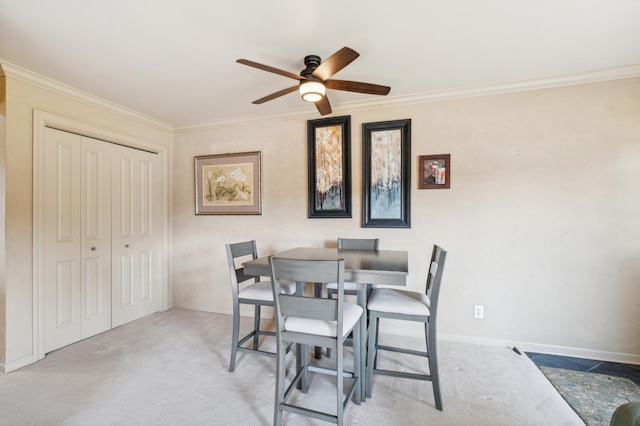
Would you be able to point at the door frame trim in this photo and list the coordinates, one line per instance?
(41, 120)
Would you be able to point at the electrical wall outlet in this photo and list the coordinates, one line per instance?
(478, 311)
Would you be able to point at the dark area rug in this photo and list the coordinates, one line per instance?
(594, 397)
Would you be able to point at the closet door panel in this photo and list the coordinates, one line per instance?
(66, 312)
(124, 212)
(148, 238)
(61, 241)
(96, 237)
(135, 235)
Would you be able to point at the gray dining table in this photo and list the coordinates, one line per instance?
(385, 267)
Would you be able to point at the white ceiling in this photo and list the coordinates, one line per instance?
(174, 60)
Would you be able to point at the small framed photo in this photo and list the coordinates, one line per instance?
(228, 183)
(435, 171)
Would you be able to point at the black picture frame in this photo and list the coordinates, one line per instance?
(329, 157)
(386, 174)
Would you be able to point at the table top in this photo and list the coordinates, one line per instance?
(365, 266)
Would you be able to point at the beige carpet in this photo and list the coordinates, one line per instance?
(171, 369)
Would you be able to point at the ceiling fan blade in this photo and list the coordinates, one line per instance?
(323, 105)
(275, 95)
(357, 86)
(269, 69)
(335, 63)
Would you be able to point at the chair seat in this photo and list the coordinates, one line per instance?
(348, 285)
(351, 314)
(399, 302)
(262, 290)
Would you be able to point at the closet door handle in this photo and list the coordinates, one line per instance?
(126, 245)
(93, 249)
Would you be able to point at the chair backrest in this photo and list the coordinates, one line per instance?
(358, 243)
(434, 278)
(246, 250)
(307, 306)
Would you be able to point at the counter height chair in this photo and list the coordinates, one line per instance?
(307, 320)
(368, 244)
(408, 306)
(351, 288)
(249, 290)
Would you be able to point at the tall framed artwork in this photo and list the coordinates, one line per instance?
(329, 157)
(228, 183)
(386, 176)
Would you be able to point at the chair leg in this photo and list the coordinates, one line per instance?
(430, 332)
(330, 294)
(377, 330)
(234, 337)
(357, 362)
(304, 366)
(280, 382)
(256, 327)
(371, 352)
(340, 382)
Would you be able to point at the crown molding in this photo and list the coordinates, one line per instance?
(18, 73)
(298, 113)
(519, 86)
(45, 83)
(618, 73)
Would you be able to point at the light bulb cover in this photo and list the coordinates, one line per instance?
(312, 91)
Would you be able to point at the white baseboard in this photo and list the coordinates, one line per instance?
(548, 349)
(418, 332)
(201, 308)
(245, 310)
(17, 364)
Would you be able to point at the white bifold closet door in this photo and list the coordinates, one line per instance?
(100, 237)
(135, 221)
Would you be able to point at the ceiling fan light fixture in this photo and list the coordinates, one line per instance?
(312, 91)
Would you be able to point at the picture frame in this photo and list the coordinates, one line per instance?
(434, 171)
(386, 179)
(229, 184)
(329, 163)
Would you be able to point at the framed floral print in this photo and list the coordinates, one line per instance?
(228, 183)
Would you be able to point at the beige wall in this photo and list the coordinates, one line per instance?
(21, 99)
(540, 221)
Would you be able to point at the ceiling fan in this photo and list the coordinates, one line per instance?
(314, 79)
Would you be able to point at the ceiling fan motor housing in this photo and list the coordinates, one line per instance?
(312, 88)
(312, 62)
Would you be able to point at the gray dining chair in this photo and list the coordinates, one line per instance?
(351, 288)
(408, 306)
(307, 320)
(366, 244)
(249, 290)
